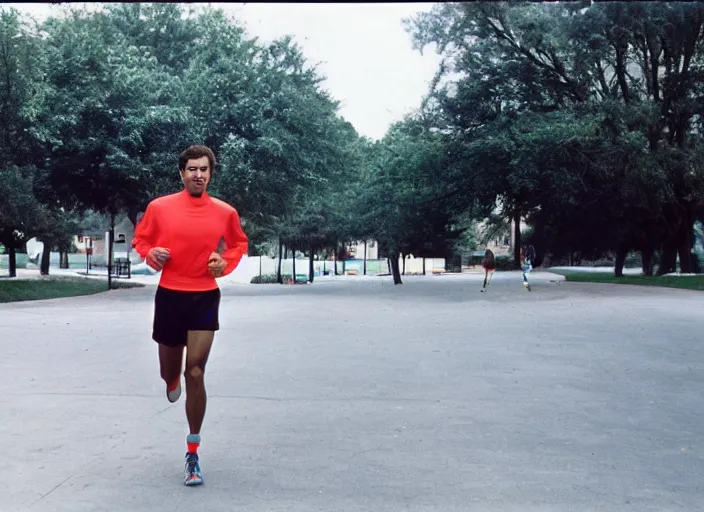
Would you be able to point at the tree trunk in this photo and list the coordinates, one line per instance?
(620, 261)
(334, 260)
(403, 262)
(365, 258)
(46, 259)
(132, 215)
(278, 265)
(684, 246)
(311, 265)
(393, 258)
(293, 267)
(12, 261)
(668, 260)
(63, 260)
(685, 254)
(110, 249)
(423, 266)
(517, 238)
(621, 52)
(647, 257)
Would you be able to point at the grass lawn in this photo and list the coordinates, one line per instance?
(14, 290)
(684, 282)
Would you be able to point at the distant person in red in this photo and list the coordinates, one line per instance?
(192, 238)
(489, 266)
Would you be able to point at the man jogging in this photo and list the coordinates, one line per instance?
(192, 238)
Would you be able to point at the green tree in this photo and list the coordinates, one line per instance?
(21, 215)
(111, 121)
(58, 227)
(22, 97)
(590, 62)
(398, 203)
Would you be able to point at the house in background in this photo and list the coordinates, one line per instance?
(356, 250)
(93, 239)
(96, 239)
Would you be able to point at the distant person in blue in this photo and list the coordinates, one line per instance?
(527, 258)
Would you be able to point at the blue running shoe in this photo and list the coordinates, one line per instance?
(193, 474)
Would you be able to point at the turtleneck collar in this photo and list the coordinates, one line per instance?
(196, 201)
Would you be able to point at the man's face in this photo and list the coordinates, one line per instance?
(196, 175)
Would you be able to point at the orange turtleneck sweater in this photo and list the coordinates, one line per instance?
(191, 228)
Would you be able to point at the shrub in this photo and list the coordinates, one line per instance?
(269, 279)
(505, 263)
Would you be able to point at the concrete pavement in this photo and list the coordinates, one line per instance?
(352, 394)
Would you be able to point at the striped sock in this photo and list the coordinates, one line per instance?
(193, 442)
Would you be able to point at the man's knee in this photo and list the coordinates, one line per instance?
(194, 373)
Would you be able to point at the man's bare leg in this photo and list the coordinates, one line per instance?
(197, 352)
(170, 366)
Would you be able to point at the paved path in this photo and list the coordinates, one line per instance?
(355, 395)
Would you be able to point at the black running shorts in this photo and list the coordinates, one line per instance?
(176, 313)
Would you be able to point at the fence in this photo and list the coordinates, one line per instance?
(255, 265)
(252, 267)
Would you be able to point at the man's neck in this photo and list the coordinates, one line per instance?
(194, 195)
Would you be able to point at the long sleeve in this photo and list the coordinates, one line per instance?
(145, 233)
(236, 243)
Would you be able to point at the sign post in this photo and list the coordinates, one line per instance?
(110, 236)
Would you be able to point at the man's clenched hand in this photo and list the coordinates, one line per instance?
(216, 265)
(157, 257)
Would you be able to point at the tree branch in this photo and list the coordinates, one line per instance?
(572, 86)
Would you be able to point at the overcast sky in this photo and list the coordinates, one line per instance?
(364, 52)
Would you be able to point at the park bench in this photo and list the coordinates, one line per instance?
(122, 267)
(300, 278)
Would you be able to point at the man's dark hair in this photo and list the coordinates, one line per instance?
(195, 152)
